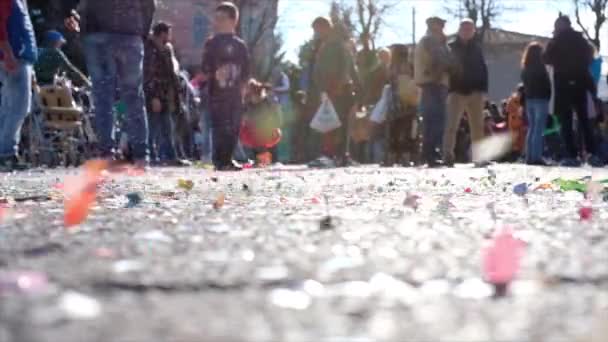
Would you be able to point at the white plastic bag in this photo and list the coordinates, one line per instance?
(379, 113)
(326, 119)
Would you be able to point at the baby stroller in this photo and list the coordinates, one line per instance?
(58, 131)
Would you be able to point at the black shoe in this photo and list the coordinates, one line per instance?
(431, 164)
(176, 163)
(232, 166)
(570, 162)
(538, 163)
(10, 164)
(448, 162)
(348, 162)
(481, 165)
(595, 161)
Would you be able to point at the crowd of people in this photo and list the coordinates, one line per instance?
(424, 105)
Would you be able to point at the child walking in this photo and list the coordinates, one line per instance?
(537, 90)
(226, 66)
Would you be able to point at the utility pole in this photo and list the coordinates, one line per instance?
(414, 26)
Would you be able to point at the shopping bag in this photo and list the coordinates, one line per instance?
(326, 119)
(379, 113)
(408, 90)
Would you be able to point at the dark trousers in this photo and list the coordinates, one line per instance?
(306, 140)
(569, 96)
(433, 103)
(225, 126)
(335, 143)
(161, 136)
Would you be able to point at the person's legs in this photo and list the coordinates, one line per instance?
(579, 99)
(129, 52)
(533, 114)
(207, 146)
(226, 125)
(166, 149)
(456, 104)
(434, 114)
(344, 105)
(16, 103)
(532, 122)
(427, 103)
(102, 68)
(221, 132)
(474, 108)
(154, 129)
(563, 110)
(542, 112)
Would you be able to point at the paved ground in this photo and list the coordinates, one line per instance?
(260, 268)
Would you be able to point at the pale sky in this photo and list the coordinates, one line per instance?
(532, 17)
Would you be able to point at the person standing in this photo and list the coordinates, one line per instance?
(380, 77)
(570, 55)
(52, 62)
(468, 88)
(226, 66)
(332, 75)
(162, 93)
(537, 90)
(113, 35)
(431, 66)
(18, 53)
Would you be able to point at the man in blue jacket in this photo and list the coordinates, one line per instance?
(18, 52)
(113, 33)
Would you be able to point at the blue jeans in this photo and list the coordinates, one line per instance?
(117, 60)
(207, 144)
(537, 111)
(14, 106)
(433, 103)
(377, 149)
(161, 137)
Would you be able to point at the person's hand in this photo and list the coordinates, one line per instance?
(156, 105)
(72, 24)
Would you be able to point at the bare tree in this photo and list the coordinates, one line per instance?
(361, 19)
(341, 16)
(484, 13)
(598, 8)
(370, 18)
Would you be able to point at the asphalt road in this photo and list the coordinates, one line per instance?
(263, 264)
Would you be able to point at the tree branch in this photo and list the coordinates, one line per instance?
(577, 15)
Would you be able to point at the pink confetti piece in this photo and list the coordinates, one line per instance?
(501, 260)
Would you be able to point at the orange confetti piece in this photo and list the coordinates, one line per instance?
(545, 186)
(219, 202)
(77, 208)
(81, 194)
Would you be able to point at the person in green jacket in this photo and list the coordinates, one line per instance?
(332, 74)
(52, 61)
